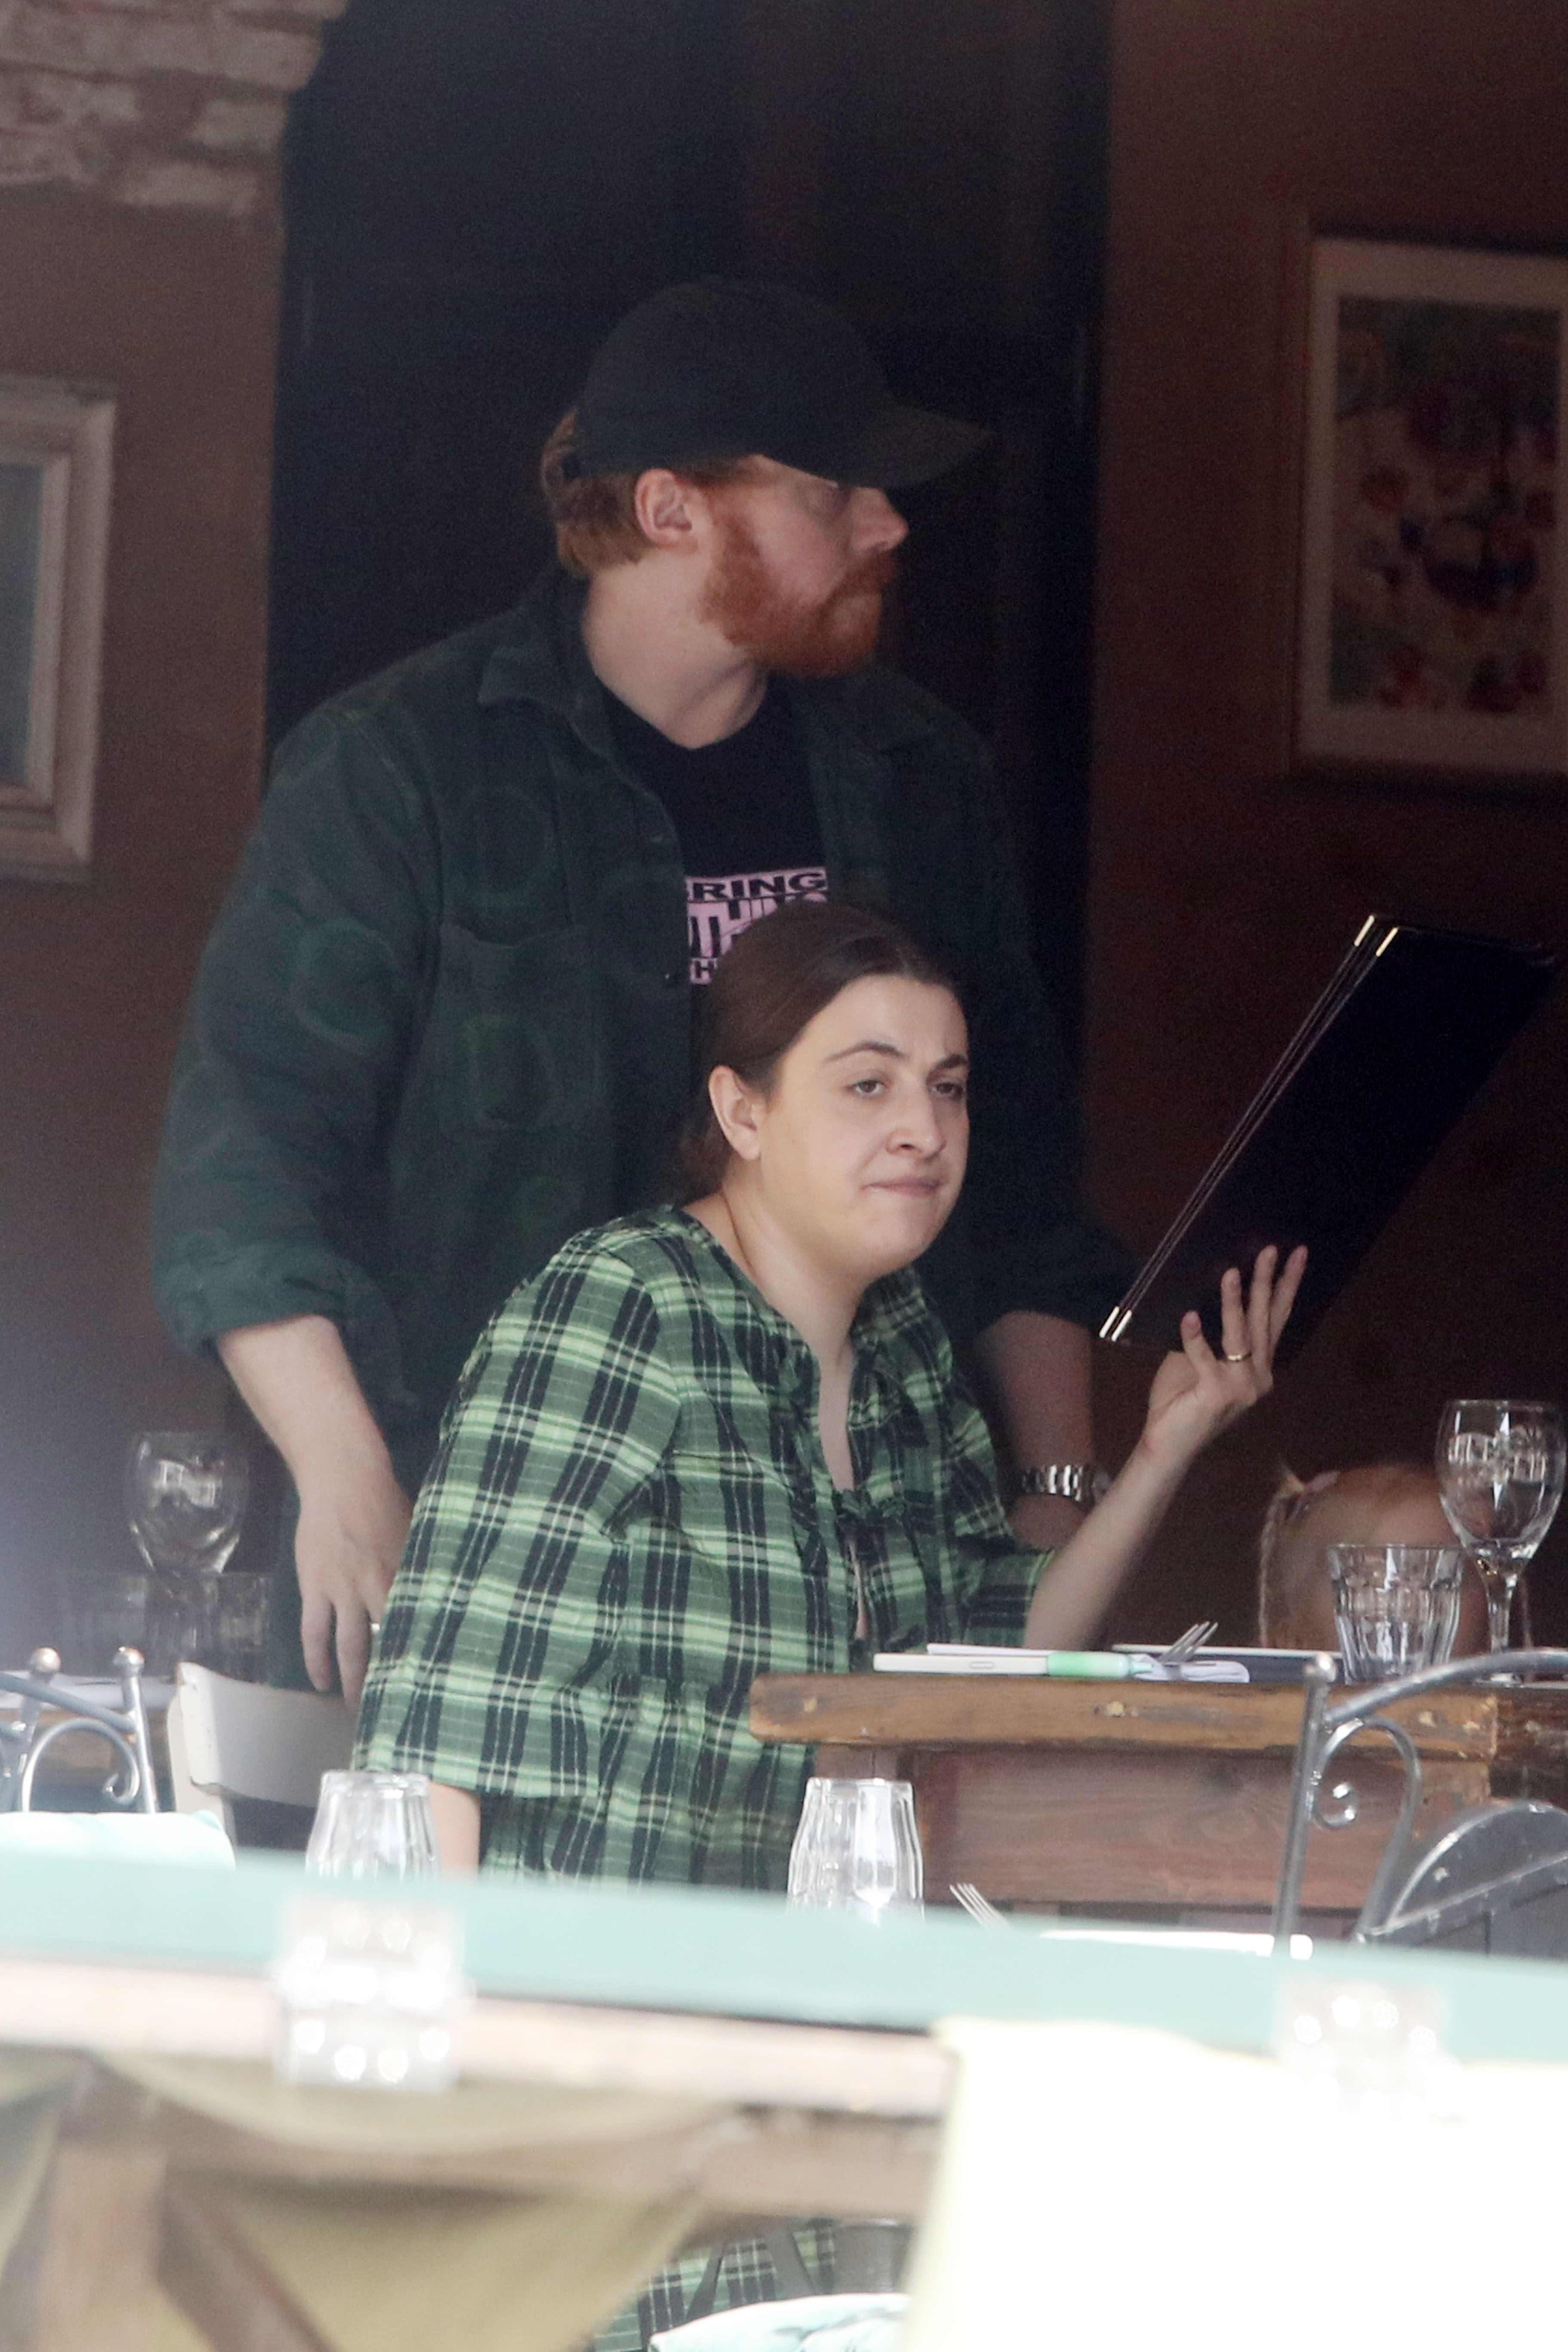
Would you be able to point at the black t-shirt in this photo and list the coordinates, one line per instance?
(744, 815)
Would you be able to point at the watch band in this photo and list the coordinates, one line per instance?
(1083, 1483)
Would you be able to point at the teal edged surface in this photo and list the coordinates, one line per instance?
(748, 1956)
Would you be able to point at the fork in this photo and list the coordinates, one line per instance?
(969, 1898)
(1185, 1644)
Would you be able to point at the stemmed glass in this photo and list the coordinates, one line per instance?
(185, 1492)
(1500, 1464)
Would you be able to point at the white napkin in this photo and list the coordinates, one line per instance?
(811, 2323)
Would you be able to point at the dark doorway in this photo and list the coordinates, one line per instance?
(475, 189)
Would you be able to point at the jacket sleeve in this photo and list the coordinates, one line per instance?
(513, 1591)
(1024, 1238)
(295, 1042)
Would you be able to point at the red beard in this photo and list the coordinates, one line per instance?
(820, 640)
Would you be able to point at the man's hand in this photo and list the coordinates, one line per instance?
(297, 1379)
(353, 1523)
(1046, 1521)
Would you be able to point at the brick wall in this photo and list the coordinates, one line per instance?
(173, 104)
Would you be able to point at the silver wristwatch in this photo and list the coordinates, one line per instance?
(1083, 1483)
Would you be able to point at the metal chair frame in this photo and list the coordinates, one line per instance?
(1326, 1730)
(130, 1785)
(1539, 1830)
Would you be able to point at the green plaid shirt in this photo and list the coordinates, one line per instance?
(630, 1515)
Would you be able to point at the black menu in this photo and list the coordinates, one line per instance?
(1403, 1034)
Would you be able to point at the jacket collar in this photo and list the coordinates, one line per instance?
(542, 660)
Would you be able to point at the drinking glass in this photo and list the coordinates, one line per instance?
(1396, 1606)
(857, 1849)
(372, 1826)
(185, 1492)
(111, 1610)
(232, 1635)
(1500, 1463)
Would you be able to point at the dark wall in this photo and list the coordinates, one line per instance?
(939, 173)
(1224, 887)
(474, 193)
(178, 317)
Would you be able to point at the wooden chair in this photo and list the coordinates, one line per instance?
(1494, 1880)
(231, 1740)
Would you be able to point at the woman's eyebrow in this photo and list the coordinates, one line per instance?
(869, 1045)
(896, 1054)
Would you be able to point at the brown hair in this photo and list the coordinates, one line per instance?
(595, 515)
(774, 980)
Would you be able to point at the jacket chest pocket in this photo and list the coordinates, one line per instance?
(520, 1028)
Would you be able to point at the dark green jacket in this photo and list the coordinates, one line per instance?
(442, 1023)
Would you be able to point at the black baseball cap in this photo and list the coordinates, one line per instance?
(728, 368)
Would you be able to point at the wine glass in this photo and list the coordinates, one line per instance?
(1500, 1464)
(185, 1493)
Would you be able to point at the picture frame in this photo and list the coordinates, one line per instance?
(56, 462)
(1433, 629)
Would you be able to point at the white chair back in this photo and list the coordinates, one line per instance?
(230, 1739)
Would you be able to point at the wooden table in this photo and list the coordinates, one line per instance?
(1127, 1796)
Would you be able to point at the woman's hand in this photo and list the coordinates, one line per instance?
(1197, 1393)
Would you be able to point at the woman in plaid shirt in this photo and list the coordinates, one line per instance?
(727, 1438)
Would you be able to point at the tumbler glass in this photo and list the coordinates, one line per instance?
(1396, 1606)
(233, 1639)
(858, 1850)
(111, 1610)
(372, 1826)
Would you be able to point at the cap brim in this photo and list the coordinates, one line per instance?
(903, 446)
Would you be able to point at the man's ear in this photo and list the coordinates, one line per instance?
(670, 514)
(738, 1111)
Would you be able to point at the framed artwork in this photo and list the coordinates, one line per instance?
(56, 448)
(1433, 613)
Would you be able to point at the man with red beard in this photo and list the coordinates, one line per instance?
(444, 1020)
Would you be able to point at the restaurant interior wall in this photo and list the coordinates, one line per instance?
(177, 313)
(1224, 886)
